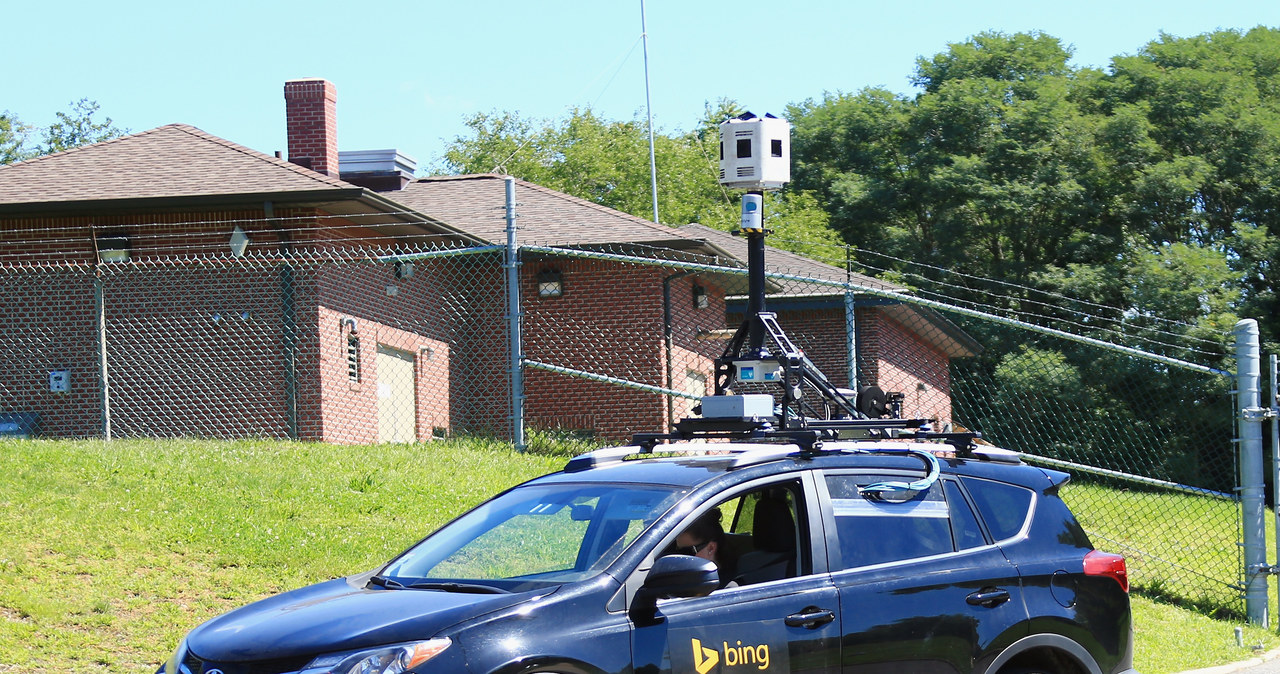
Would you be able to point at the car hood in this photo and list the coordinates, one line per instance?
(336, 615)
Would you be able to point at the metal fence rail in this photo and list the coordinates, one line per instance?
(368, 346)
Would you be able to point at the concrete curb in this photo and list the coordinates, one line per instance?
(1238, 666)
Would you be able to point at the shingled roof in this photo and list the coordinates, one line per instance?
(176, 160)
(476, 204)
(181, 167)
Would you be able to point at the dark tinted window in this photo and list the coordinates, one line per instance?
(964, 524)
(874, 529)
(1002, 506)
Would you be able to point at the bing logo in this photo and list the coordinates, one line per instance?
(705, 659)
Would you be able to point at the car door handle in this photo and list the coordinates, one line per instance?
(811, 618)
(989, 597)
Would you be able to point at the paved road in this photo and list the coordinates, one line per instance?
(1267, 663)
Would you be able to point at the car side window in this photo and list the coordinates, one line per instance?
(754, 537)
(880, 527)
(1004, 507)
(964, 524)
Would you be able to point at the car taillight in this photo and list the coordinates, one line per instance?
(1099, 563)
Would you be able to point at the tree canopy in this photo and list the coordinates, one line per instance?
(73, 128)
(1151, 186)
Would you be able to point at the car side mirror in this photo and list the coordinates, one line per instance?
(673, 576)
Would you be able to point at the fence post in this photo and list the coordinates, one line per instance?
(1252, 480)
(289, 328)
(850, 325)
(1275, 453)
(511, 264)
(100, 318)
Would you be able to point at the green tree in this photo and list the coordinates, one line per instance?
(986, 169)
(72, 128)
(607, 162)
(77, 127)
(13, 138)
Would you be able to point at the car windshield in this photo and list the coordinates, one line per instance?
(534, 536)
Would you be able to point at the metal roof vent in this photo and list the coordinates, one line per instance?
(378, 170)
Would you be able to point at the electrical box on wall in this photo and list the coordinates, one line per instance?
(59, 381)
(755, 152)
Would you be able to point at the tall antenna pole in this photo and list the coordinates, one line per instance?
(653, 164)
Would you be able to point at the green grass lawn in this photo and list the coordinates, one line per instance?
(109, 553)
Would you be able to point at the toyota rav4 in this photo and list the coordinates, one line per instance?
(863, 556)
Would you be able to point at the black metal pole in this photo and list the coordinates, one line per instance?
(755, 282)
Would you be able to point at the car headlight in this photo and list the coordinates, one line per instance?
(174, 664)
(381, 660)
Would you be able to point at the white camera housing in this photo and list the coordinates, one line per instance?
(755, 152)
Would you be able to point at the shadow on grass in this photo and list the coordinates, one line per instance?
(1215, 608)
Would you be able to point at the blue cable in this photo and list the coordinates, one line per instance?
(918, 485)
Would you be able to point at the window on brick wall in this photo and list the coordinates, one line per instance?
(700, 299)
(550, 283)
(114, 248)
(695, 383)
(353, 358)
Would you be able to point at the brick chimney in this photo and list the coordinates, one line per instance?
(311, 114)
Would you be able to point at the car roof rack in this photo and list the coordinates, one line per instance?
(809, 438)
(737, 455)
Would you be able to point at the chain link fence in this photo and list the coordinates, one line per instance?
(367, 346)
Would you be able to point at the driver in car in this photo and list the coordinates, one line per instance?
(705, 539)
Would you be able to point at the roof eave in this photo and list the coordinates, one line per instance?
(164, 203)
(379, 206)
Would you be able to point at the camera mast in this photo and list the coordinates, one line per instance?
(765, 387)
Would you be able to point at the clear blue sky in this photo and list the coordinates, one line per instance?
(408, 73)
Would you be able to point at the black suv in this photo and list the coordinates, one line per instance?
(720, 558)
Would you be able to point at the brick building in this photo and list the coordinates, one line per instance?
(182, 285)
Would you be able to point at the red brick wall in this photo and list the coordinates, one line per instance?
(412, 319)
(821, 334)
(917, 370)
(50, 325)
(609, 321)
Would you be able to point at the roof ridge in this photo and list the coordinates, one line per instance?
(82, 148)
(200, 134)
(667, 230)
(462, 176)
(261, 156)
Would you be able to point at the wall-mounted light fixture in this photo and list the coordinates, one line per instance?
(700, 299)
(404, 269)
(550, 283)
(239, 242)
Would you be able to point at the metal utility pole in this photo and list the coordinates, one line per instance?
(653, 164)
(511, 265)
(1252, 474)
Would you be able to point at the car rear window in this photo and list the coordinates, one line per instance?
(1004, 507)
